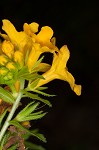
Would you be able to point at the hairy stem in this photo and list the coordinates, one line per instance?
(14, 107)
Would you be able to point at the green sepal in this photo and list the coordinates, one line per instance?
(31, 76)
(6, 96)
(37, 63)
(23, 71)
(34, 133)
(32, 146)
(32, 85)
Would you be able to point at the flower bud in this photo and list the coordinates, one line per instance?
(8, 48)
(8, 76)
(10, 65)
(18, 57)
(3, 71)
(3, 59)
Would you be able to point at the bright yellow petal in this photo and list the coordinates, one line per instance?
(19, 39)
(31, 28)
(34, 27)
(4, 36)
(77, 89)
(53, 41)
(59, 71)
(33, 56)
(45, 34)
(60, 59)
(35, 53)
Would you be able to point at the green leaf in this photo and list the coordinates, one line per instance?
(33, 146)
(42, 88)
(43, 93)
(4, 140)
(2, 116)
(33, 116)
(6, 96)
(36, 97)
(26, 111)
(33, 132)
(14, 147)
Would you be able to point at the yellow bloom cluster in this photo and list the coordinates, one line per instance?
(25, 48)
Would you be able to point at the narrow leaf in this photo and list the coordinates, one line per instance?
(42, 88)
(33, 117)
(33, 146)
(43, 93)
(35, 96)
(4, 140)
(14, 147)
(6, 96)
(2, 116)
(26, 111)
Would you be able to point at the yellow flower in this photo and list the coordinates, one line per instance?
(25, 47)
(19, 39)
(44, 37)
(8, 48)
(45, 34)
(59, 71)
(3, 59)
(35, 53)
(31, 28)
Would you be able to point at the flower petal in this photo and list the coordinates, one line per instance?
(19, 39)
(45, 34)
(77, 89)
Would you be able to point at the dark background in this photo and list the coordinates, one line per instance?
(73, 122)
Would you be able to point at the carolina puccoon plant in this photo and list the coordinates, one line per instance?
(22, 76)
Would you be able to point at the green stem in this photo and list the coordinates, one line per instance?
(14, 107)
